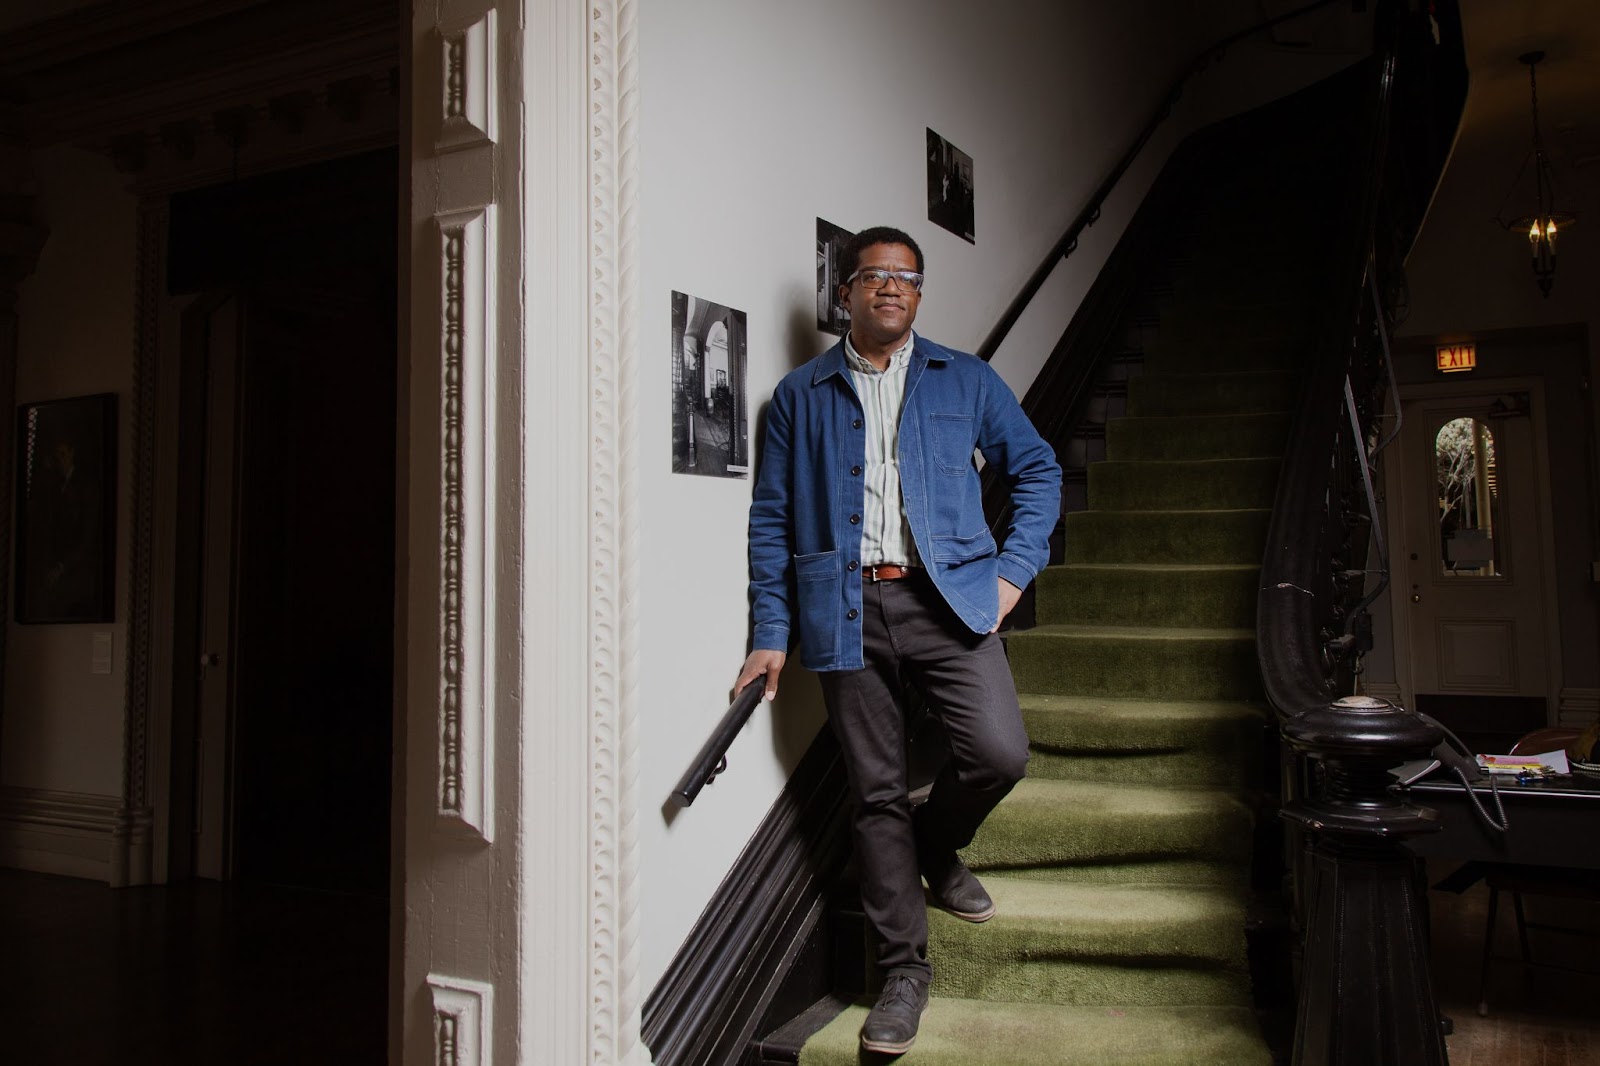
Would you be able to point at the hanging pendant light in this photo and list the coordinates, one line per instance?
(1545, 223)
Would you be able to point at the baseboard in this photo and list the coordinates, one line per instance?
(1578, 707)
(68, 833)
(736, 968)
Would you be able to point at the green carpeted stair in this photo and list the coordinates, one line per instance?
(1120, 867)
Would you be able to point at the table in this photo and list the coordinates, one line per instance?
(1553, 821)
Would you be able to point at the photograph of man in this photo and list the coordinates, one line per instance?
(950, 202)
(869, 550)
(63, 561)
(831, 315)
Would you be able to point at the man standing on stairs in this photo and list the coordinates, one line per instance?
(868, 546)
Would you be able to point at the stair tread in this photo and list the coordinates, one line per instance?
(1100, 917)
(1079, 631)
(1163, 568)
(1263, 416)
(1096, 800)
(1181, 511)
(1155, 710)
(965, 1032)
(1213, 375)
(1231, 460)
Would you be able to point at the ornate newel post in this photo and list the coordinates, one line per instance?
(1366, 996)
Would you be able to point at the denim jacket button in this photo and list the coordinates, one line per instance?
(857, 424)
(855, 520)
(853, 565)
(852, 614)
(855, 470)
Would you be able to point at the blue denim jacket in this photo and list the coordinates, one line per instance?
(805, 515)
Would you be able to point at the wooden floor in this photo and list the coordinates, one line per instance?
(198, 973)
(1536, 1017)
(236, 975)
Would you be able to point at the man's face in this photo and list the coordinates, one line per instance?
(881, 316)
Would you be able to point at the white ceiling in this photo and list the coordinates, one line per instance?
(1498, 116)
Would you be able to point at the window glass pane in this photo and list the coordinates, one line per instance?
(1468, 495)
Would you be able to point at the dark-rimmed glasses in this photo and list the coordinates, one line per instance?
(874, 278)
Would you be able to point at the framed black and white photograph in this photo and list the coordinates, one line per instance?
(710, 427)
(950, 187)
(831, 314)
(66, 510)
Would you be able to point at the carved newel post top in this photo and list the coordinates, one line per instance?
(1362, 725)
(1354, 741)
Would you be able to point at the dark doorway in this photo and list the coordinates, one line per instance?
(304, 264)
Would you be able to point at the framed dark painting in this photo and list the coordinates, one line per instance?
(66, 510)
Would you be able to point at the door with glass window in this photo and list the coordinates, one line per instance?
(1469, 564)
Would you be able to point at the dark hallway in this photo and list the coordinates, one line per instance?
(198, 972)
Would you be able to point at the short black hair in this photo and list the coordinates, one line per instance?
(850, 251)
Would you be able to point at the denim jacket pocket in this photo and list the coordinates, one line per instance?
(953, 442)
(816, 567)
(817, 595)
(953, 551)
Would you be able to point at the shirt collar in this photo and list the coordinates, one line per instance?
(897, 359)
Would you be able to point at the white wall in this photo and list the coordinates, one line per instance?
(1249, 74)
(756, 118)
(62, 725)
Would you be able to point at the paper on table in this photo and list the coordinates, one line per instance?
(1550, 762)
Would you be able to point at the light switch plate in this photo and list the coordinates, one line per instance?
(100, 654)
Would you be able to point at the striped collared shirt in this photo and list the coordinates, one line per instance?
(885, 532)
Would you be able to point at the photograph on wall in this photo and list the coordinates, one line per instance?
(66, 510)
(710, 427)
(831, 314)
(950, 187)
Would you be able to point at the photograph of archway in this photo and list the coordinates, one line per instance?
(710, 425)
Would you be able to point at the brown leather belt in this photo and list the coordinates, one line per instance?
(887, 572)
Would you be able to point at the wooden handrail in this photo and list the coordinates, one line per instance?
(713, 755)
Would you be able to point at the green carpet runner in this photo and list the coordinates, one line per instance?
(1120, 866)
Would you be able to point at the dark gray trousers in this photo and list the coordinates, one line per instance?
(907, 627)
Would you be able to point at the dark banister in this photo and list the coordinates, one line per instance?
(713, 756)
(1293, 573)
(1366, 992)
(1091, 211)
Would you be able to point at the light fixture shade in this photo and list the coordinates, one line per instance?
(1545, 221)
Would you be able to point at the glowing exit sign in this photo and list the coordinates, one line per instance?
(1454, 358)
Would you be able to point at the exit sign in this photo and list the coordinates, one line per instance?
(1454, 358)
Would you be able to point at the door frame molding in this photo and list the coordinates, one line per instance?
(1397, 500)
(516, 919)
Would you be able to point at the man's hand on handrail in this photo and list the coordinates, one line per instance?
(769, 663)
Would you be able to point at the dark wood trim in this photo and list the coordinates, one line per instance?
(761, 951)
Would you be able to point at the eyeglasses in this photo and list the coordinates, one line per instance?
(873, 278)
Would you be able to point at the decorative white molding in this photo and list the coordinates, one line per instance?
(1578, 707)
(68, 833)
(132, 860)
(467, 108)
(614, 998)
(467, 515)
(463, 1021)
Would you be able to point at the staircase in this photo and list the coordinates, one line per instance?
(1122, 866)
